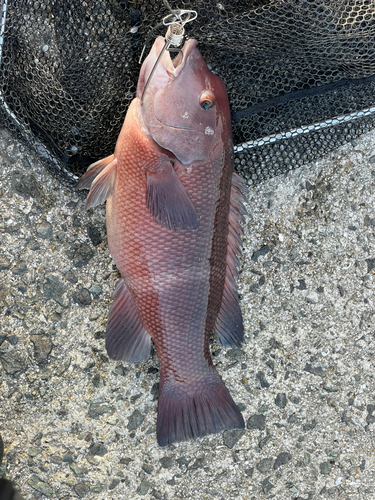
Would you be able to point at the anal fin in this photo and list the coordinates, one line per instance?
(126, 338)
(229, 324)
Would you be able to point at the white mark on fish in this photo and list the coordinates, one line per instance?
(189, 170)
(186, 115)
(209, 131)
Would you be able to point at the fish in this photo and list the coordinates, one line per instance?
(174, 208)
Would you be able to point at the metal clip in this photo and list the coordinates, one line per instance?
(176, 31)
(175, 34)
(176, 22)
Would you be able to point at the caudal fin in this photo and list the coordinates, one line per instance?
(187, 412)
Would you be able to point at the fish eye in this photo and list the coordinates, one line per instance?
(207, 100)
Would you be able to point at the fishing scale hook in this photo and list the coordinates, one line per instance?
(174, 36)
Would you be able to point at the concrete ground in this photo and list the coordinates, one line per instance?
(77, 425)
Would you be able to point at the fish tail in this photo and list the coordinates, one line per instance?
(190, 410)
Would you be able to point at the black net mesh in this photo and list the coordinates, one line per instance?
(300, 74)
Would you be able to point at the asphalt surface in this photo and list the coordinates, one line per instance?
(77, 425)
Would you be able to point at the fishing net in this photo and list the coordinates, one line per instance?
(300, 74)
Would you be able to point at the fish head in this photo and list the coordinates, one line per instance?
(184, 107)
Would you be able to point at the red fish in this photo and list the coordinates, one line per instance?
(174, 207)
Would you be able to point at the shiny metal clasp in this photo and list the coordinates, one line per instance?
(175, 21)
(176, 25)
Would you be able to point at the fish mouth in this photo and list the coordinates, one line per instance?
(160, 66)
(173, 68)
(182, 56)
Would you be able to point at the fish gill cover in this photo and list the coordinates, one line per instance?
(300, 75)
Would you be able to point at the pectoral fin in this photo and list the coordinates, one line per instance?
(168, 201)
(101, 177)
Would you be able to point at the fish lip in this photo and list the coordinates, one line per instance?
(187, 49)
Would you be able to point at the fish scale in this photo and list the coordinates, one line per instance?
(173, 212)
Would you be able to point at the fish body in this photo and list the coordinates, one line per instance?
(173, 211)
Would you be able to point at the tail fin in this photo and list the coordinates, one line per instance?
(188, 411)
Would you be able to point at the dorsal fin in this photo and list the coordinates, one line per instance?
(229, 325)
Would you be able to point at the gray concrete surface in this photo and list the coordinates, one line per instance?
(76, 425)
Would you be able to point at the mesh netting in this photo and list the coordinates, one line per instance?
(300, 74)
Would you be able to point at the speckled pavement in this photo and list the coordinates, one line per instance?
(76, 425)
